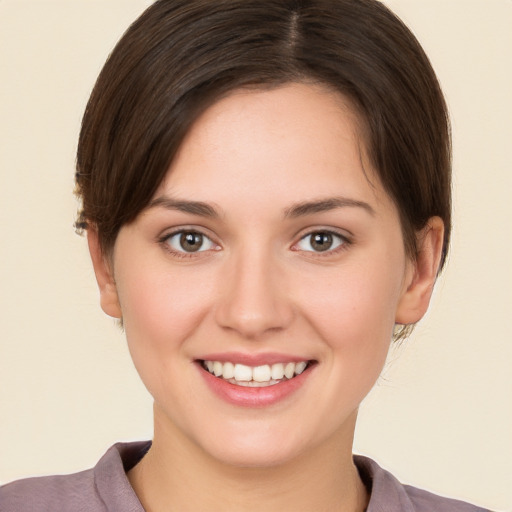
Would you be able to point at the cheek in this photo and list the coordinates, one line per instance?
(161, 308)
(353, 315)
(356, 300)
(353, 310)
(158, 301)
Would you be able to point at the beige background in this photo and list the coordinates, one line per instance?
(441, 416)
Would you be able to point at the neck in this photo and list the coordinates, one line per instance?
(178, 475)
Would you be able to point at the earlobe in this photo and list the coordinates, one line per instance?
(109, 299)
(416, 296)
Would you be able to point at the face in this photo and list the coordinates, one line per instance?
(270, 250)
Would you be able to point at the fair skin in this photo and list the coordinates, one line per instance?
(294, 254)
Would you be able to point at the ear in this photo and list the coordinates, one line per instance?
(422, 274)
(109, 299)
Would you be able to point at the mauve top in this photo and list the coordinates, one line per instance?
(105, 488)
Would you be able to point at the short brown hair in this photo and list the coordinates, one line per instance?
(180, 56)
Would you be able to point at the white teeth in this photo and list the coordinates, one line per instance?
(242, 372)
(261, 373)
(217, 368)
(253, 383)
(300, 367)
(255, 376)
(277, 371)
(228, 371)
(289, 370)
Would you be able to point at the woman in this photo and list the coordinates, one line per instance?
(266, 195)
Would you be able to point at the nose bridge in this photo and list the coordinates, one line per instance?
(254, 298)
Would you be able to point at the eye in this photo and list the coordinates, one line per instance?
(321, 241)
(189, 242)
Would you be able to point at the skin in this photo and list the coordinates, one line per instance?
(259, 286)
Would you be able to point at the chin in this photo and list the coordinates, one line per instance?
(257, 446)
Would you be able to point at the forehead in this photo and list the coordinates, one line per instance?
(294, 137)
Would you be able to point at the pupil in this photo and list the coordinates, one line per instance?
(191, 242)
(321, 241)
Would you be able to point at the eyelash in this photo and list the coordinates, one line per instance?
(165, 242)
(343, 243)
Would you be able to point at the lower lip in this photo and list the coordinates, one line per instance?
(244, 396)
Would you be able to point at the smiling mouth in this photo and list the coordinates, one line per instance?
(255, 376)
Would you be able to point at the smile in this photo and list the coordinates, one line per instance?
(255, 376)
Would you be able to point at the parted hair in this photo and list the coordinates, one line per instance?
(180, 56)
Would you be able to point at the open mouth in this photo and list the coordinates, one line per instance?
(255, 376)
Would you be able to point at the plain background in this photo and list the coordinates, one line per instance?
(441, 415)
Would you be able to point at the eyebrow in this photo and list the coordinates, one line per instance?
(193, 207)
(301, 209)
(324, 205)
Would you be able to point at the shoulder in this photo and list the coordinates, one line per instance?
(388, 494)
(425, 501)
(100, 489)
(51, 493)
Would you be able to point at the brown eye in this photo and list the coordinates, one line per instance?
(321, 241)
(189, 242)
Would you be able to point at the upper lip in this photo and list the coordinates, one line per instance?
(253, 359)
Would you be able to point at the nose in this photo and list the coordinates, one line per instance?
(254, 299)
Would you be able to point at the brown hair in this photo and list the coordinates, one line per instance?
(180, 56)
